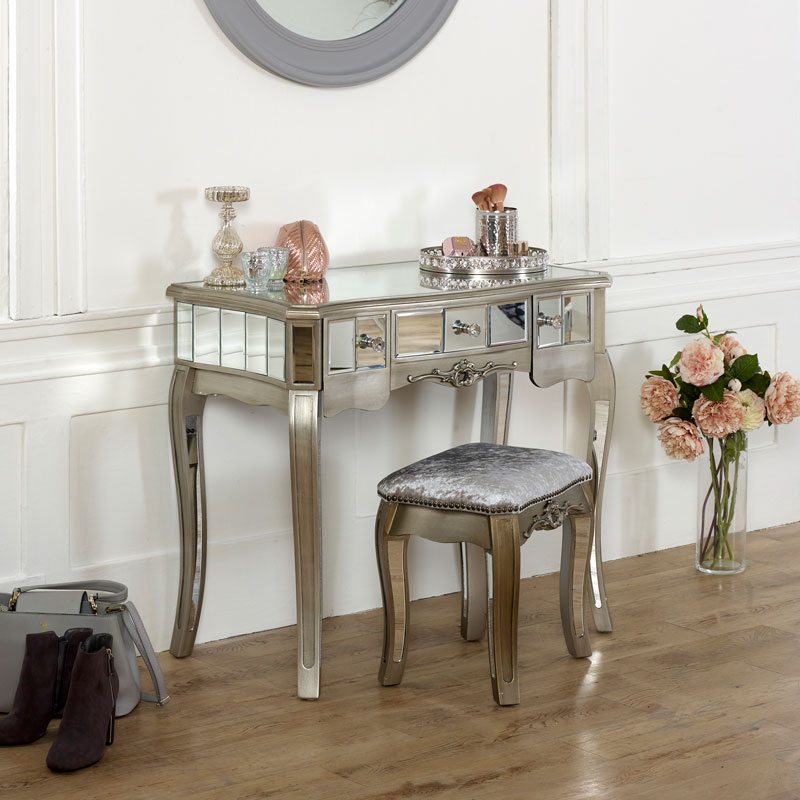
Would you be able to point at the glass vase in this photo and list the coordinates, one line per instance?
(722, 512)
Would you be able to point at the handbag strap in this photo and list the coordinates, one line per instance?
(113, 592)
(135, 627)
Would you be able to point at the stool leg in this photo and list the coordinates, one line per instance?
(393, 569)
(473, 592)
(576, 553)
(504, 608)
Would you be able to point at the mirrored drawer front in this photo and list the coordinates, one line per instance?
(418, 332)
(563, 319)
(232, 339)
(508, 323)
(465, 328)
(356, 344)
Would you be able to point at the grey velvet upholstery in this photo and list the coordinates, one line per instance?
(485, 478)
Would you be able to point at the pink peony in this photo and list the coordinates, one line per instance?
(731, 347)
(681, 439)
(782, 398)
(701, 362)
(658, 397)
(753, 410)
(721, 418)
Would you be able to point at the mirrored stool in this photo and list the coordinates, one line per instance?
(494, 496)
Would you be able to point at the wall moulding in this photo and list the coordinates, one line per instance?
(691, 277)
(579, 207)
(60, 347)
(4, 162)
(46, 219)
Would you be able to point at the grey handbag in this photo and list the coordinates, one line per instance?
(100, 605)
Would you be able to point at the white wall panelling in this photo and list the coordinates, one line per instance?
(578, 130)
(46, 208)
(5, 38)
(112, 139)
(70, 212)
(703, 117)
(11, 499)
(651, 161)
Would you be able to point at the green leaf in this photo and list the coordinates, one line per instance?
(675, 359)
(718, 336)
(744, 367)
(714, 391)
(664, 372)
(705, 317)
(689, 392)
(689, 323)
(759, 383)
(682, 413)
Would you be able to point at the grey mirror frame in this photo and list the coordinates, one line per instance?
(346, 62)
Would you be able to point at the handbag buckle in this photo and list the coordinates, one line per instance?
(93, 603)
(12, 603)
(114, 609)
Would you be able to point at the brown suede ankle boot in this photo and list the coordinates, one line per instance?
(45, 670)
(87, 725)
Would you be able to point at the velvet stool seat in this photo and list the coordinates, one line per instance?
(493, 496)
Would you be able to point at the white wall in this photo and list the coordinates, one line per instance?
(682, 119)
(108, 162)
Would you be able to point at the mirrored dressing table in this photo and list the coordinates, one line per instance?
(314, 351)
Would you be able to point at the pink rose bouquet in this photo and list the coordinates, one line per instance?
(714, 392)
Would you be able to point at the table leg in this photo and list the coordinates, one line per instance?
(305, 411)
(494, 428)
(602, 395)
(186, 435)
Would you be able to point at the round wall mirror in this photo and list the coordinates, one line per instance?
(330, 42)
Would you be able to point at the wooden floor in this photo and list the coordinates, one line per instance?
(696, 694)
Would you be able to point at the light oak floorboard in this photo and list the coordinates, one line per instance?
(696, 694)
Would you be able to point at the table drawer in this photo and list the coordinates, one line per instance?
(563, 345)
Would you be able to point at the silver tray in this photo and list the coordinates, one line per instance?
(447, 280)
(431, 259)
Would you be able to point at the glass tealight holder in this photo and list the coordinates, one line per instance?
(278, 260)
(255, 267)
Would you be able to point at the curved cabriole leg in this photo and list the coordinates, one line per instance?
(393, 570)
(186, 436)
(602, 394)
(304, 451)
(576, 553)
(473, 591)
(495, 410)
(504, 608)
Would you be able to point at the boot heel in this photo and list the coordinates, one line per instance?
(110, 732)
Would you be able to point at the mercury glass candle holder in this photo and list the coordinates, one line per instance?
(226, 244)
(278, 258)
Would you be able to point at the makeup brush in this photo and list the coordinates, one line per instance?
(497, 193)
(482, 200)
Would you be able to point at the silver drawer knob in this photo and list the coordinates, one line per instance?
(464, 327)
(554, 322)
(377, 343)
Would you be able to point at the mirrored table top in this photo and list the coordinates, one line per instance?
(381, 283)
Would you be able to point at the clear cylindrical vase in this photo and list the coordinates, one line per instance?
(722, 501)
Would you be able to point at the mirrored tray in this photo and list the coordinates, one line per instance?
(441, 280)
(431, 259)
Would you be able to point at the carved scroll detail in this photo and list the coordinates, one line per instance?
(551, 516)
(464, 373)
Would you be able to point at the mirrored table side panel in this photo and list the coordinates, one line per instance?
(230, 340)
